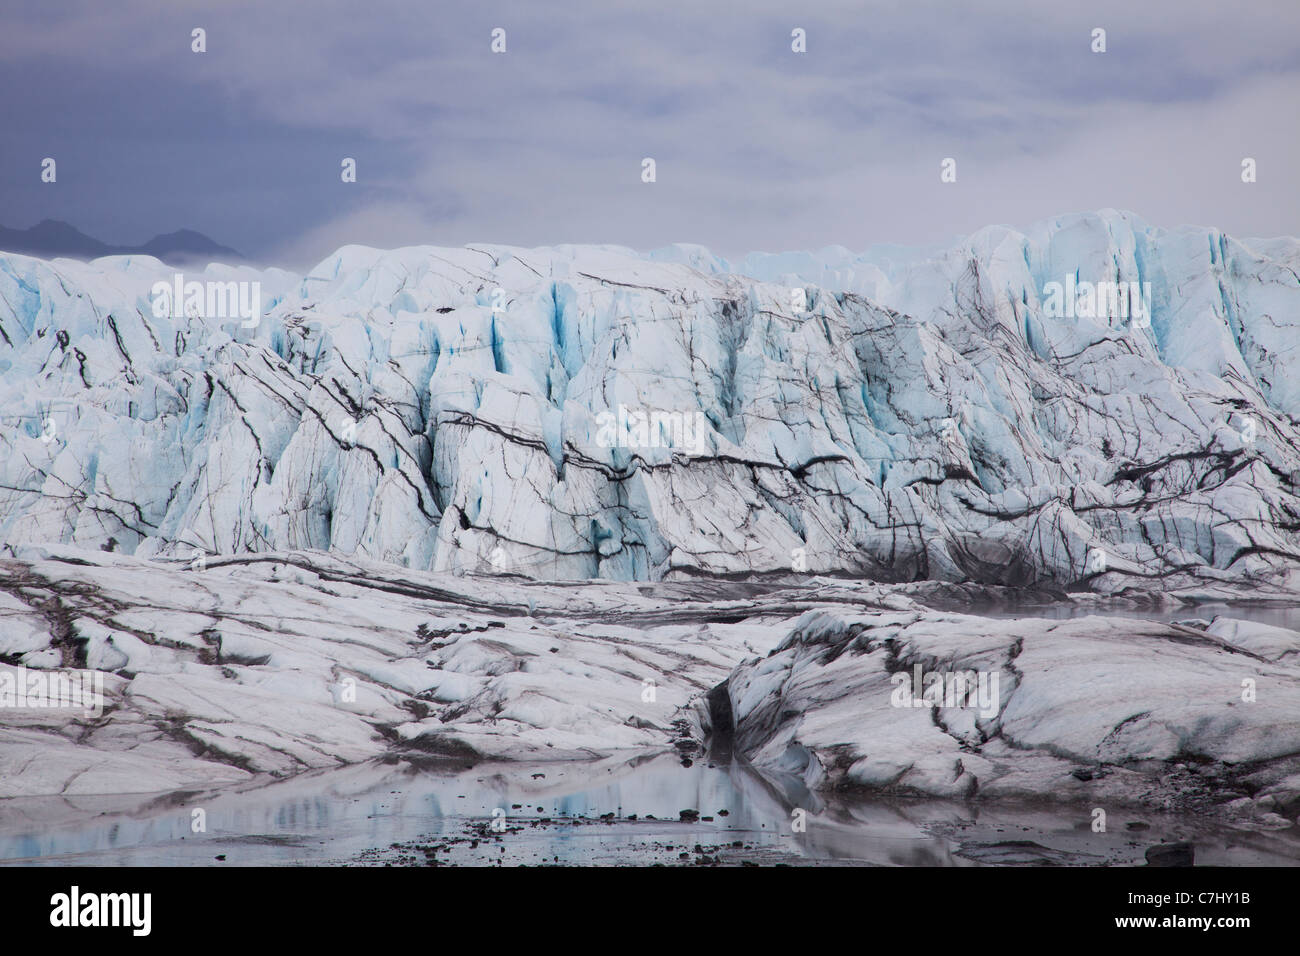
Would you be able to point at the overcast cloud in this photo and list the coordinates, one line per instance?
(756, 147)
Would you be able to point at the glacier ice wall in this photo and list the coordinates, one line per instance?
(451, 409)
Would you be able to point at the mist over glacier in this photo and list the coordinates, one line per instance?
(923, 416)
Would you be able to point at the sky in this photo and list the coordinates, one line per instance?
(756, 147)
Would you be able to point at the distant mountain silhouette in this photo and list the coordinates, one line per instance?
(52, 238)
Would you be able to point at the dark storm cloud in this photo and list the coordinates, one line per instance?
(756, 147)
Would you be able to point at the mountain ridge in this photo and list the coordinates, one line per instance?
(54, 238)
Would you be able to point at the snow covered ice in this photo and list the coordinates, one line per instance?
(276, 536)
(279, 663)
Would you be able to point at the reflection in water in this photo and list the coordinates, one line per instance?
(337, 816)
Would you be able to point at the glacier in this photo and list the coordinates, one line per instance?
(440, 409)
(498, 493)
(269, 665)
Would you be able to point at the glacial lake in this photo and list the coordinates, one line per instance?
(551, 814)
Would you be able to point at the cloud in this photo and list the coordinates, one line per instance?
(756, 146)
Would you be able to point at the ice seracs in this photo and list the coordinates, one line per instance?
(923, 416)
